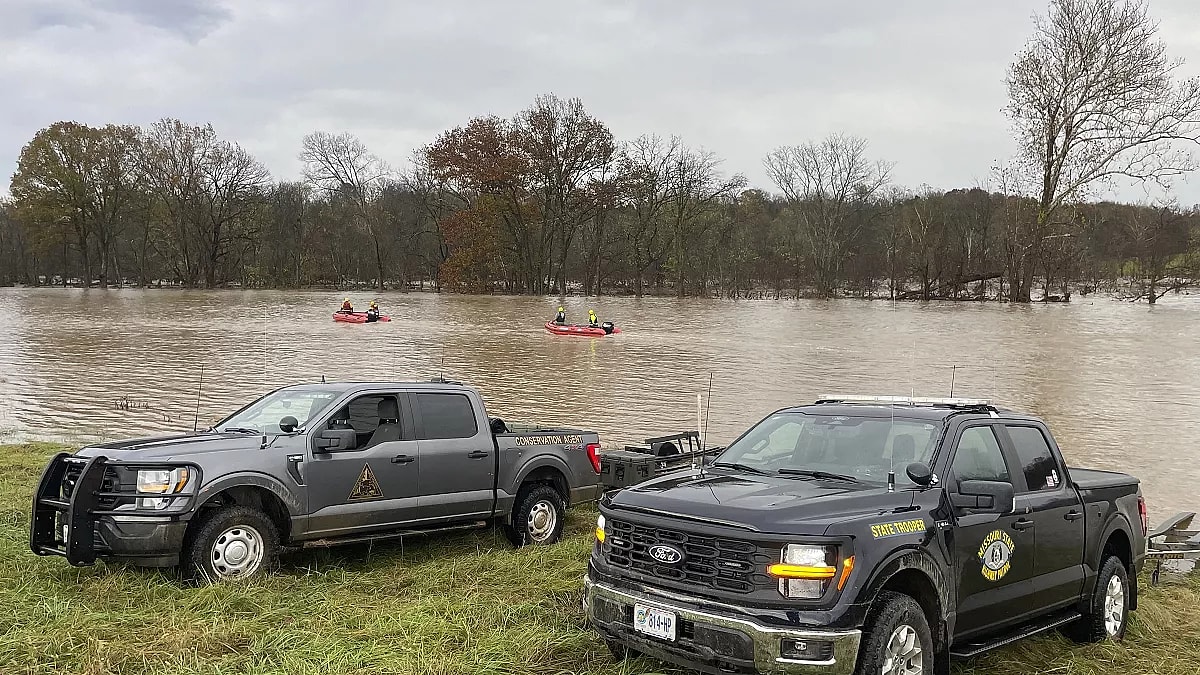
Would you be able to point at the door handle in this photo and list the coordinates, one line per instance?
(478, 454)
(1073, 515)
(403, 459)
(1022, 524)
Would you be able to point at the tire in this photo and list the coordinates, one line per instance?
(1108, 609)
(538, 518)
(231, 543)
(897, 639)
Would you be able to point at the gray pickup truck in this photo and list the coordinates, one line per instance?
(312, 465)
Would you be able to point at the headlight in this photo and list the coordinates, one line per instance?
(161, 481)
(805, 571)
(600, 533)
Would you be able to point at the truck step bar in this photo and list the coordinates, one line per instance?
(970, 649)
(384, 536)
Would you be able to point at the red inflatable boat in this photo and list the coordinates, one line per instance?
(583, 331)
(355, 317)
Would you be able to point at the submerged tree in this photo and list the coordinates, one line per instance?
(1093, 97)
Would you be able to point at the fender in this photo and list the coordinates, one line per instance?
(253, 479)
(539, 462)
(911, 557)
(1116, 523)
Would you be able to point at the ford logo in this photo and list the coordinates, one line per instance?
(666, 554)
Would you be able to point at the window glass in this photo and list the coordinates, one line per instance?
(978, 456)
(865, 448)
(1037, 462)
(446, 416)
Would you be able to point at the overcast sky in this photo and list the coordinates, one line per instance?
(922, 80)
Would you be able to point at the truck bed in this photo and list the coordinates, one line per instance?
(1095, 479)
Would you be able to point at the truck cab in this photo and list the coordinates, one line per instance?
(866, 534)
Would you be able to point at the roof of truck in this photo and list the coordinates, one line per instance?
(345, 386)
(902, 406)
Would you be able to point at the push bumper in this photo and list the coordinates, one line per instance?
(714, 643)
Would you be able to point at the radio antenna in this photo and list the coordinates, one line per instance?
(891, 478)
(707, 407)
(953, 369)
(199, 390)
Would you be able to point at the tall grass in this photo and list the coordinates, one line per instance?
(465, 603)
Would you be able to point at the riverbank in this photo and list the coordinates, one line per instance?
(465, 603)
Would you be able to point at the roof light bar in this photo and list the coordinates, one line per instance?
(904, 400)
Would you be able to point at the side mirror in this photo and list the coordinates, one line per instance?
(335, 440)
(288, 424)
(920, 474)
(985, 496)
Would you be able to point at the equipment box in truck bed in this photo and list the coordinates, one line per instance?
(658, 456)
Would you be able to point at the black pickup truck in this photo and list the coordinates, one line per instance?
(867, 535)
(312, 465)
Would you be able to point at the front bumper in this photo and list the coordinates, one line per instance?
(716, 643)
(141, 541)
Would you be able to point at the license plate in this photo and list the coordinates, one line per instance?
(657, 623)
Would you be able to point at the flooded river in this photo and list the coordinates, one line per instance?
(1119, 383)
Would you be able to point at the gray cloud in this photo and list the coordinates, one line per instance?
(923, 81)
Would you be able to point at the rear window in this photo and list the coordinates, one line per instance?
(1037, 462)
(446, 416)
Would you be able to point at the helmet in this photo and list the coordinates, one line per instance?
(591, 311)
(373, 303)
(561, 309)
(346, 300)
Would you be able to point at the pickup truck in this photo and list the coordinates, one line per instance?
(312, 465)
(866, 534)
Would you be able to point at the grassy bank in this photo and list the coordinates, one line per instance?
(464, 603)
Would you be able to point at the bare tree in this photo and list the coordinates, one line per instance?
(341, 166)
(1093, 97)
(828, 185)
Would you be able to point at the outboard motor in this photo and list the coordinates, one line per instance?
(608, 327)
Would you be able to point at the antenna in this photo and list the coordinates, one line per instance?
(199, 389)
(892, 457)
(707, 407)
(442, 365)
(953, 369)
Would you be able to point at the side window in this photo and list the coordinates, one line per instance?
(446, 416)
(374, 418)
(978, 456)
(1037, 462)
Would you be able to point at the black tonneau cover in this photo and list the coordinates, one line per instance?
(1094, 479)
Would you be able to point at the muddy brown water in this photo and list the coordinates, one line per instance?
(1119, 383)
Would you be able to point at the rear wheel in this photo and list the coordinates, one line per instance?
(897, 640)
(1108, 611)
(539, 516)
(230, 544)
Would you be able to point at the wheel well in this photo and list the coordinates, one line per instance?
(260, 499)
(1118, 545)
(550, 476)
(918, 586)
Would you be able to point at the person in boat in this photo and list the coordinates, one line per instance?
(347, 308)
(592, 320)
(373, 312)
(561, 317)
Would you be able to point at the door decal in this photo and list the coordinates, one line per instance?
(366, 487)
(995, 553)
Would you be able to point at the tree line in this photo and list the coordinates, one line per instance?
(549, 201)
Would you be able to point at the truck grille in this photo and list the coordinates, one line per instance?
(718, 563)
(71, 476)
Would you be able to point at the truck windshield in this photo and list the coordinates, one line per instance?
(265, 414)
(864, 448)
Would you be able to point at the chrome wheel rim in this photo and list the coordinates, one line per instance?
(542, 520)
(903, 655)
(237, 552)
(1114, 605)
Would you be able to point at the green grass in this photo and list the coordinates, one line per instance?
(465, 603)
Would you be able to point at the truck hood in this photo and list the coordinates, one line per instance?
(769, 504)
(181, 446)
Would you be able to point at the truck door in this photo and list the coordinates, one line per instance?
(993, 555)
(458, 457)
(372, 485)
(1058, 512)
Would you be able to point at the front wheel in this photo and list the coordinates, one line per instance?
(538, 518)
(897, 639)
(1108, 613)
(230, 544)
